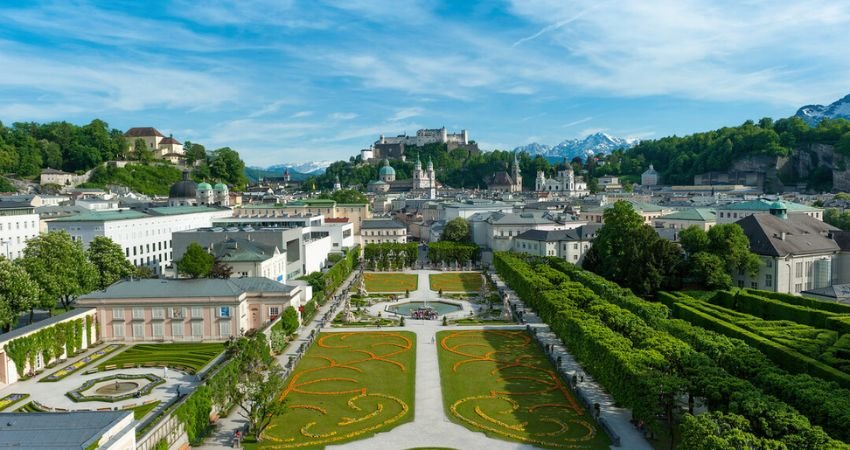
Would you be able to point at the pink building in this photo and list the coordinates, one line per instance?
(190, 310)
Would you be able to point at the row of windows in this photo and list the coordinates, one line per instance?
(388, 233)
(18, 225)
(176, 312)
(146, 248)
(177, 329)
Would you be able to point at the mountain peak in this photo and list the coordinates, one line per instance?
(813, 114)
(592, 144)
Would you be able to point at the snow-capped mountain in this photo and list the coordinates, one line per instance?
(813, 114)
(594, 144)
(308, 167)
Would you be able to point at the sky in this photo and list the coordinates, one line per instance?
(289, 81)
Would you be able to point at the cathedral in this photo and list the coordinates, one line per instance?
(425, 180)
(564, 184)
(424, 183)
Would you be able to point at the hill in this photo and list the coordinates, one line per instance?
(594, 144)
(813, 114)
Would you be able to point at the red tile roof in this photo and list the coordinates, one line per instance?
(143, 132)
(170, 140)
(336, 219)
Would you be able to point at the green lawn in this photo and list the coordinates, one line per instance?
(190, 357)
(500, 382)
(456, 282)
(391, 282)
(139, 412)
(349, 386)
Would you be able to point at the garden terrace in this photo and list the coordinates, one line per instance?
(456, 282)
(390, 282)
(348, 386)
(189, 358)
(499, 382)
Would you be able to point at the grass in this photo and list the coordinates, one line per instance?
(391, 282)
(189, 357)
(500, 382)
(30, 407)
(456, 282)
(348, 386)
(139, 412)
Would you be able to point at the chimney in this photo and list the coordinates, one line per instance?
(782, 236)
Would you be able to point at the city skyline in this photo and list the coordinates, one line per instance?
(288, 81)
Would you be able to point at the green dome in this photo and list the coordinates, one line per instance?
(204, 186)
(387, 169)
(220, 187)
(777, 205)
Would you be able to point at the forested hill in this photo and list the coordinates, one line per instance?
(26, 148)
(678, 159)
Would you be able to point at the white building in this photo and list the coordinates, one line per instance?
(650, 177)
(425, 180)
(702, 218)
(379, 231)
(145, 236)
(428, 136)
(733, 212)
(570, 245)
(18, 224)
(497, 231)
(466, 208)
(161, 146)
(564, 184)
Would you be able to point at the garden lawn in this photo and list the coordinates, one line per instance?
(139, 412)
(456, 282)
(188, 357)
(348, 386)
(391, 282)
(500, 382)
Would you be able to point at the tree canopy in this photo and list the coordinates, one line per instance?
(109, 260)
(457, 230)
(196, 262)
(60, 267)
(18, 293)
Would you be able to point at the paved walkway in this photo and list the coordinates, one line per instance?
(423, 292)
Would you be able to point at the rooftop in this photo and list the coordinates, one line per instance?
(693, 214)
(381, 223)
(143, 132)
(582, 233)
(17, 332)
(58, 431)
(797, 234)
(127, 214)
(526, 218)
(183, 288)
(766, 205)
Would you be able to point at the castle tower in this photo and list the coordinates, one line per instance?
(540, 182)
(337, 185)
(517, 176)
(465, 137)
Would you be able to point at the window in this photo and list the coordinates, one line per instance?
(575, 257)
(158, 313)
(798, 270)
(139, 330)
(575, 246)
(224, 328)
(754, 285)
(224, 311)
(117, 313)
(274, 311)
(196, 312)
(798, 287)
(768, 280)
(118, 329)
(177, 328)
(741, 284)
(769, 262)
(157, 329)
(177, 313)
(808, 268)
(197, 329)
(138, 313)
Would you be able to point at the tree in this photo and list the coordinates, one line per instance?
(693, 240)
(730, 243)
(60, 267)
(18, 293)
(194, 152)
(259, 384)
(225, 165)
(196, 262)
(144, 272)
(709, 270)
(141, 152)
(289, 320)
(109, 260)
(457, 230)
(221, 270)
(346, 196)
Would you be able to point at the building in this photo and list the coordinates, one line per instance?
(379, 231)
(570, 245)
(188, 193)
(386, 173)
(354, 212)
(161, 146)
(145, 235)
(425, 180)
(733, 212)
(18, 224)
(564, 184)
(797, 251)
(103, 430)
(496, 231)
(466, 208)
(702, 218)
(197, 310)
(648, 211)
(650, 177)
(503, 182)
(61, 178)
(394, 147)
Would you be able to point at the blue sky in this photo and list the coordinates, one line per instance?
(296, 81)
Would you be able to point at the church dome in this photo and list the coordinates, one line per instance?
(220, 187)
(387, 170)
(204, 186)
(184, 188)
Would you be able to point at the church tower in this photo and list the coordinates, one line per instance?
(417, 174)
(432, 180)
(540, 182)
(337, 184)
(515, 174)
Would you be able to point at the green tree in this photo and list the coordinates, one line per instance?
(457, 230)
(194, 152)
(221, 270)
(730, 243)
(693, 240)
(259, 384)
(109, 260)
(709, 270)
(60, 267)
(289, 320)
(346, 196)
(196, 262)
(18, 293)
(141, 152)
(225, 165)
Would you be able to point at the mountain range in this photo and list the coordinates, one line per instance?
(594, 144)
(812, 114)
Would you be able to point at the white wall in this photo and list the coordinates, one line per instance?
(15, 231)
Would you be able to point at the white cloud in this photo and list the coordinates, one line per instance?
(343, 116)
(406, 113)
(577, 122)
(301, 114)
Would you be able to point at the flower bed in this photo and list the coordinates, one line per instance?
(77, 395)
(72, 368)
(10, 400)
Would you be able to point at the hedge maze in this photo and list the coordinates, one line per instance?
(348, 386)
(499, 382)
(189, 358)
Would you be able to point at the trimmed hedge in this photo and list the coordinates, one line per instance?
(770, 309)
(833, 307)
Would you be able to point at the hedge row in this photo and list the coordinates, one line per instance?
(822, 401)
(642, 366)
(833, 307)
(770, 309)
(787, 358)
